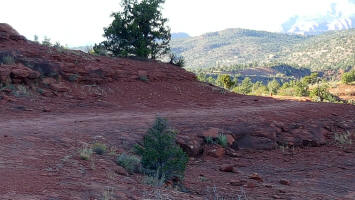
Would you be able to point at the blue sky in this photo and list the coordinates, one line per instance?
(81, 22)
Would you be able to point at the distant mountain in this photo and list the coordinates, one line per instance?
(334, 19)
(241, 46)
(180, 35)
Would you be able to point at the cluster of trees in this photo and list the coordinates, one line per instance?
(300, 88)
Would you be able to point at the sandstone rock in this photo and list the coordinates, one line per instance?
(238, 182)
(212, 132)
(49, 81)
(59, 87)
(5, 72)
(7, 31)
(216, 152)
(121, 171)
(229, 168)
(255, 176)
(226, 168)
(21, 72)
(142, 73)
(250, 185)
(230, 140)
(284, 182)
(193, 146)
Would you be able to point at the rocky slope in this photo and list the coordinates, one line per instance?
(53, 101)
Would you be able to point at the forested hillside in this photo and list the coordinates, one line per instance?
(241, 46)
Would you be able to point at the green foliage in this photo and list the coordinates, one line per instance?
(224, 80)
(160, 153)
(130, 162)
(259, 89)
(321, 93)
(244, 88)
(302, 88)
(99, 148)
(47, 42)
(7, 60)
(177, 60)
(138, 30)
(222, 140)
(311, 79)
(348, 77)
(209, 140)
(273, 86)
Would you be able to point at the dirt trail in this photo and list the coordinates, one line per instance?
(40, 158)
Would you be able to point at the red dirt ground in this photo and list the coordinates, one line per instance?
(290, 145)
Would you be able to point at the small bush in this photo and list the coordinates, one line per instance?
(209, 140)
(130, 162)
(348, 77)
(177, 60)
(99, 148)
(143, 78)
(7, 60)
(154, 180)
(161, 156)
(344, 138)
(222, 140)
(85, 152)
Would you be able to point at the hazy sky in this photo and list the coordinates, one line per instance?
(81, 22)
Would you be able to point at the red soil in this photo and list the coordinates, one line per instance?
(290, 145)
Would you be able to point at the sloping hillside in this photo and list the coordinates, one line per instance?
(56, 104)
(241, 46)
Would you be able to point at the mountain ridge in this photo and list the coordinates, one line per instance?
(243, 46)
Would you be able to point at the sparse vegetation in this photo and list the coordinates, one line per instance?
(209, 140)
(85, 152)
(131, 163)
(143, 78)
(7, 60)
(177, 60)
(222, 140)
(320, 93)
(343, 138)
(99, 148)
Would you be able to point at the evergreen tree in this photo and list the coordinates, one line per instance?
(138, 30)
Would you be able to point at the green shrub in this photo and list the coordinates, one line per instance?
(222, 140)
(130, 162)
(209, 140)
(161, 156)
(321, 94)
(273, 86)
(99, 148)
(348, 77)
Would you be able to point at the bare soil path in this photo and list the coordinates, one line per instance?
(40, 154)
